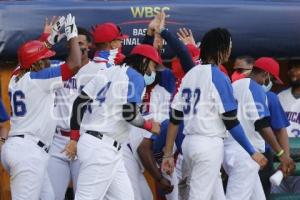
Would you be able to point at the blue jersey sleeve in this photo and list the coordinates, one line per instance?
(3, 115)
(166, 79)
(136, 86)
(260, 99)
(47, 73)
(277, 115)
(224, 89)
(159, 141)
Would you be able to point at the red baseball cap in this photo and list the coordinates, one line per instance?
(147, 51)
(107, 32)
(33, 51)
(269, 65)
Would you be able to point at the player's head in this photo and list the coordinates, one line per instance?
(242, 67)
(294, 73)
(216, 46)
(144, 58)
(108, 36)
(85, 42)
(34, 56)
(266, 72)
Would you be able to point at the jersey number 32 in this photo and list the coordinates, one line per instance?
(190, 96)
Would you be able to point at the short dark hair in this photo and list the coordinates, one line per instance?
(248, 59)
(88, 35)
(256, 71)
(215, 45)
(137, 62)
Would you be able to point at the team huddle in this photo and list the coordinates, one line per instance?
(102, 122)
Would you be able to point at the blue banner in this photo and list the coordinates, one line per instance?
(258, 28)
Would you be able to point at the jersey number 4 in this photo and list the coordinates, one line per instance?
(101, 96)
(189, 97)
(18, 106)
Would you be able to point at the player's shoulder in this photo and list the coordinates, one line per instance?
(272, 97)
(285, 92)
(132, 74)
(216, 71)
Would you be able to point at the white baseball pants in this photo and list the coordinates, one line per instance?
(26, 164)
(60, 170)
(203, 156)
(102, 173)
(138, 181)
(243, 182)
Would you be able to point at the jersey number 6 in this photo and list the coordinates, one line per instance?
(18, 107)
(189, 96)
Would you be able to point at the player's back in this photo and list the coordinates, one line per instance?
(252, 106)
(32, 101)
(203, 100)
(65, 96)
(110, 90)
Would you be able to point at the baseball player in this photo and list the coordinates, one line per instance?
(290, 101)
(206, 103)
(108, 38)
(242, 67)
(150, 153)
(116, 93)
(254, 114)
(31, 90)
(60, 168)
(278, 120)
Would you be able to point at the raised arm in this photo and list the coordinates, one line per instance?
(177, 46)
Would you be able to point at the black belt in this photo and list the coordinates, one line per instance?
(39, 143)
(99, 135)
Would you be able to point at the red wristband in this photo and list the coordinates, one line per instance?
(147, 125)
(74, 135)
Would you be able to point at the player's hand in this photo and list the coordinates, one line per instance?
(165, 185)
(162, 21)
(70, 27)
(155, 128)
(186, 36)
(48, 26)
(168, 165)
(260, 159)
(152, 25)
(56, 25)
(292, 167)
(71, 149)
(287, 165)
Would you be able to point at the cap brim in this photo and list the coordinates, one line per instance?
(122, 37)
(278, 80)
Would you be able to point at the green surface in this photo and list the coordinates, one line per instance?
(286, 196)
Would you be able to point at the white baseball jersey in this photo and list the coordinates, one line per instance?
(32, 100)
(110, 90)
(72, 88)
(204, 95)
(252, 106)
(291, 106)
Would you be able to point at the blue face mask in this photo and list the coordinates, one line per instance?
(149, 79)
